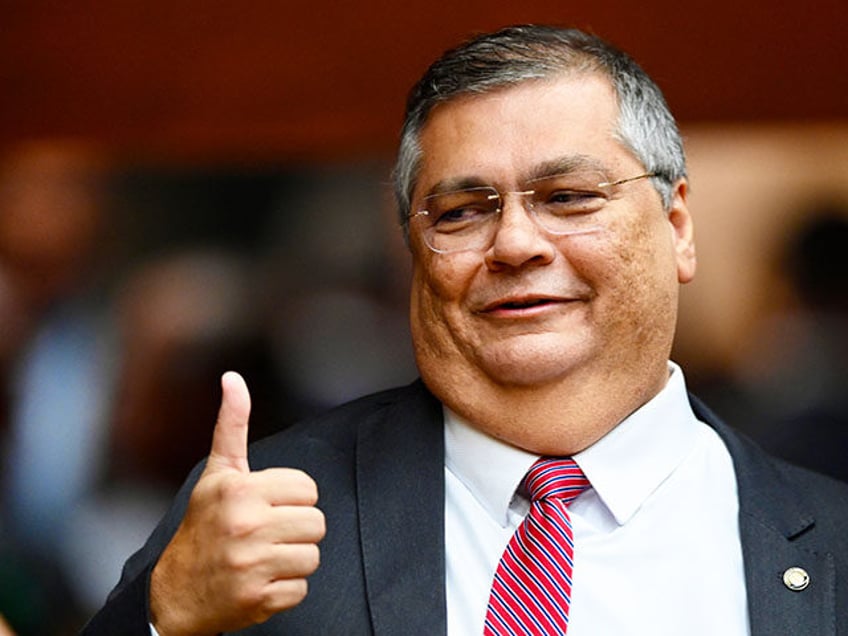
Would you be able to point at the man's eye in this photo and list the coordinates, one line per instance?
(460, 216)
(571, 196)
(574, 201)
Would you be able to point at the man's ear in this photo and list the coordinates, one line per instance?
(683, 232)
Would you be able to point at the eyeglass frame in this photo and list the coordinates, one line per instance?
(501, 196)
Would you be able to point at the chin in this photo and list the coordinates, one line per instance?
(531, 366)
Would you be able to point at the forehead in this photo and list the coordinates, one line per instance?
(505, 136)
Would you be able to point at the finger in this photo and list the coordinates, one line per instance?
(293, 561)
(259, 601)
(229, 439)
(282, 594)
(285, 487)
(294, 524)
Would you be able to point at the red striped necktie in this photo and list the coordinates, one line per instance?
(531, 591)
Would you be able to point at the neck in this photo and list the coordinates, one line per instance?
(561, 418)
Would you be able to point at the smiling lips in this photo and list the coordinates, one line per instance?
(523, 305)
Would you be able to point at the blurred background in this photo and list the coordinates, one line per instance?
(190, 187)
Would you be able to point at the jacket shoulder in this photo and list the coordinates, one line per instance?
(335, 431)
(793, 500)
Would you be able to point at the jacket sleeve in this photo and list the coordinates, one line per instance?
(125, 612)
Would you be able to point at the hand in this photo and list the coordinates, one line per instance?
(247, 542)
(5, 630)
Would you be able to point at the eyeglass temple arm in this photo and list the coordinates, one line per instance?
(607, 184)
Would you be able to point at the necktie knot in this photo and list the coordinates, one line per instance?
(555, 478)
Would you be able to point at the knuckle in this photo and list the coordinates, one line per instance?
(299, 590)
(308, 558)
(310, 524)
(295, 592)
(239, 561)
(249, 597)
(314, 558)
(234, 488)
(240, 526)
(320, 524)
(302, 484)
(279, 596)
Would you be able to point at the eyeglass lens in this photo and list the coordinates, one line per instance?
(561, 204)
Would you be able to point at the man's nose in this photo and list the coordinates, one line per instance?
(518, 239)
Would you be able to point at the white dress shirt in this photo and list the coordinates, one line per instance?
(657, 548)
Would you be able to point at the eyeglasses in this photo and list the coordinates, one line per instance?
(561, 204)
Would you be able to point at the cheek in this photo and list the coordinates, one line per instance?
(426, 306)
(629, 267)
(443, 280)
(644, 285)
(439, 286)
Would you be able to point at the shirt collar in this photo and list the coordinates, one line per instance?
(624, 467)
(471, 455)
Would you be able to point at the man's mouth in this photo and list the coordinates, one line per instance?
(523, 304)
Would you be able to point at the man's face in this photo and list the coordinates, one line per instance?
(535, 308)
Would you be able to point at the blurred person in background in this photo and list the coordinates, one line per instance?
(542, 182)
(339, 330)
(180, 319)
(106, 364)
(794, 376)
(55, 363)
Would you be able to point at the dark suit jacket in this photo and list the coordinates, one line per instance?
(379, 465)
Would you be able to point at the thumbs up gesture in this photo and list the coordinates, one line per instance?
(247, 542)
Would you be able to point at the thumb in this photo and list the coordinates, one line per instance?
(229, 439)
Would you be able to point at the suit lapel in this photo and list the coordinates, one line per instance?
(400, 488)
(773, 523)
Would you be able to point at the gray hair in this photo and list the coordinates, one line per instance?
(524, 53)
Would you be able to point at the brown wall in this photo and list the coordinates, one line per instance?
(283, 80)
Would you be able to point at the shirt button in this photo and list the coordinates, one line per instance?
(796, 579)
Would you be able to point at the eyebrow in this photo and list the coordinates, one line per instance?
(456, 183)
(565, 165)
(549, 168)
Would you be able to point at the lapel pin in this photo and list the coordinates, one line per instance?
(796, 579)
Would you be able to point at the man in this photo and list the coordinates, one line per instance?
(543, 189)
